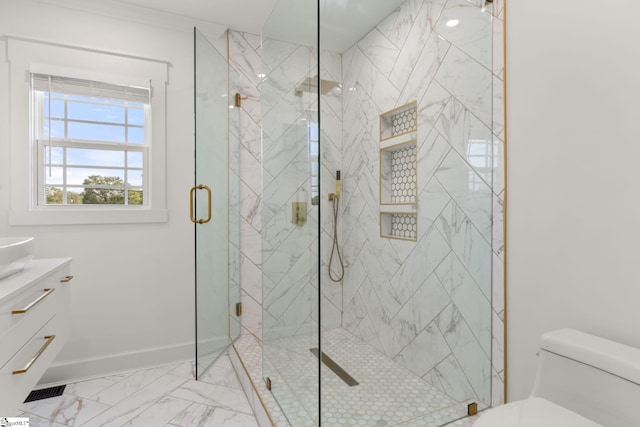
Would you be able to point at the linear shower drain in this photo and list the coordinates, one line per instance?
(45, 393)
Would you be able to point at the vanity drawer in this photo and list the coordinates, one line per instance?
(22, 326)
(27, 312)
(23, 371)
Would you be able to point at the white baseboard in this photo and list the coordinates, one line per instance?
(79, 370)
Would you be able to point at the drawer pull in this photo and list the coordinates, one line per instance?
(30, 306)
(24, 370)
(66, 279)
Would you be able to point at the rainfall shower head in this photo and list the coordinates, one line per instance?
(310, 84)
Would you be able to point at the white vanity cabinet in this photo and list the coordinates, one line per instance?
(34, 325)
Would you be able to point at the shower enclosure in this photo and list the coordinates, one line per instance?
(398, 97)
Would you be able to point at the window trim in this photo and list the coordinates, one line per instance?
(25, 57)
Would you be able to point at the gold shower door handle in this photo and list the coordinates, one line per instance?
(191, 214)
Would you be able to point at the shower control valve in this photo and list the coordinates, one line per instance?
(299, 213)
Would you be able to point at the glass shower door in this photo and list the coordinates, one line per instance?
(212, 205)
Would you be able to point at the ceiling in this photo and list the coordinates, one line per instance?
(343, 22)
(242, 15)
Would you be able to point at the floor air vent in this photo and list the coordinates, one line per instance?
(45, 393)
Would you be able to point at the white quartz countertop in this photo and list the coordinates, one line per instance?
(34, 270)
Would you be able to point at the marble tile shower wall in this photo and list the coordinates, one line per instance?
(428, 304)
(390, 59)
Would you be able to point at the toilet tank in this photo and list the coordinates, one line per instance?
(594, 377)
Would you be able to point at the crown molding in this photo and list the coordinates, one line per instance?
(138, 14)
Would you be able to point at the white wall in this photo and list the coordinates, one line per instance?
(573, 91)
(133, 290)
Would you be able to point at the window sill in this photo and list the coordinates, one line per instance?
(87, 216)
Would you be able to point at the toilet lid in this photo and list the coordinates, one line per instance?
(534, 412)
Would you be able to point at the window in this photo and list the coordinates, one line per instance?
(482, 154)
(313, 137)
(87, 136)
(92, 141)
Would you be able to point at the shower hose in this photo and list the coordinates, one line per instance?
(335, 248)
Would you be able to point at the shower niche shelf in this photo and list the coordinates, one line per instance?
(399, 225)
(399, 173)
(399, 121)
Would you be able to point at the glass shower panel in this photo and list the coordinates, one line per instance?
(235, 198)
(289, 211)
(214, 206)
(416, 157)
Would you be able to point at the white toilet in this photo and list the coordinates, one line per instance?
(582, 381)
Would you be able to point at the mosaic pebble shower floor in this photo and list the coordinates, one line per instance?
(387, 394)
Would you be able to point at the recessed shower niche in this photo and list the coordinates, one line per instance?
(399, 121)
(399, 172)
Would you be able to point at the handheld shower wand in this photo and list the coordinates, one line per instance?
(336, 195)
(335, 248)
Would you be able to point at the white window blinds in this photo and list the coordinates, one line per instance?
(48, 83)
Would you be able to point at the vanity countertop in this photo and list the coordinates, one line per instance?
(34, 270)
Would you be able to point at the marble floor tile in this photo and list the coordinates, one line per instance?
(89, 389)
(213, 395)
(154, 397)
(225, 377)
(66, 409)
(129, 385)
(136, 403)
(184, 370)
(225, 418)
(164, 409)
(35, 421)
(195, 415)
(206, 416)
